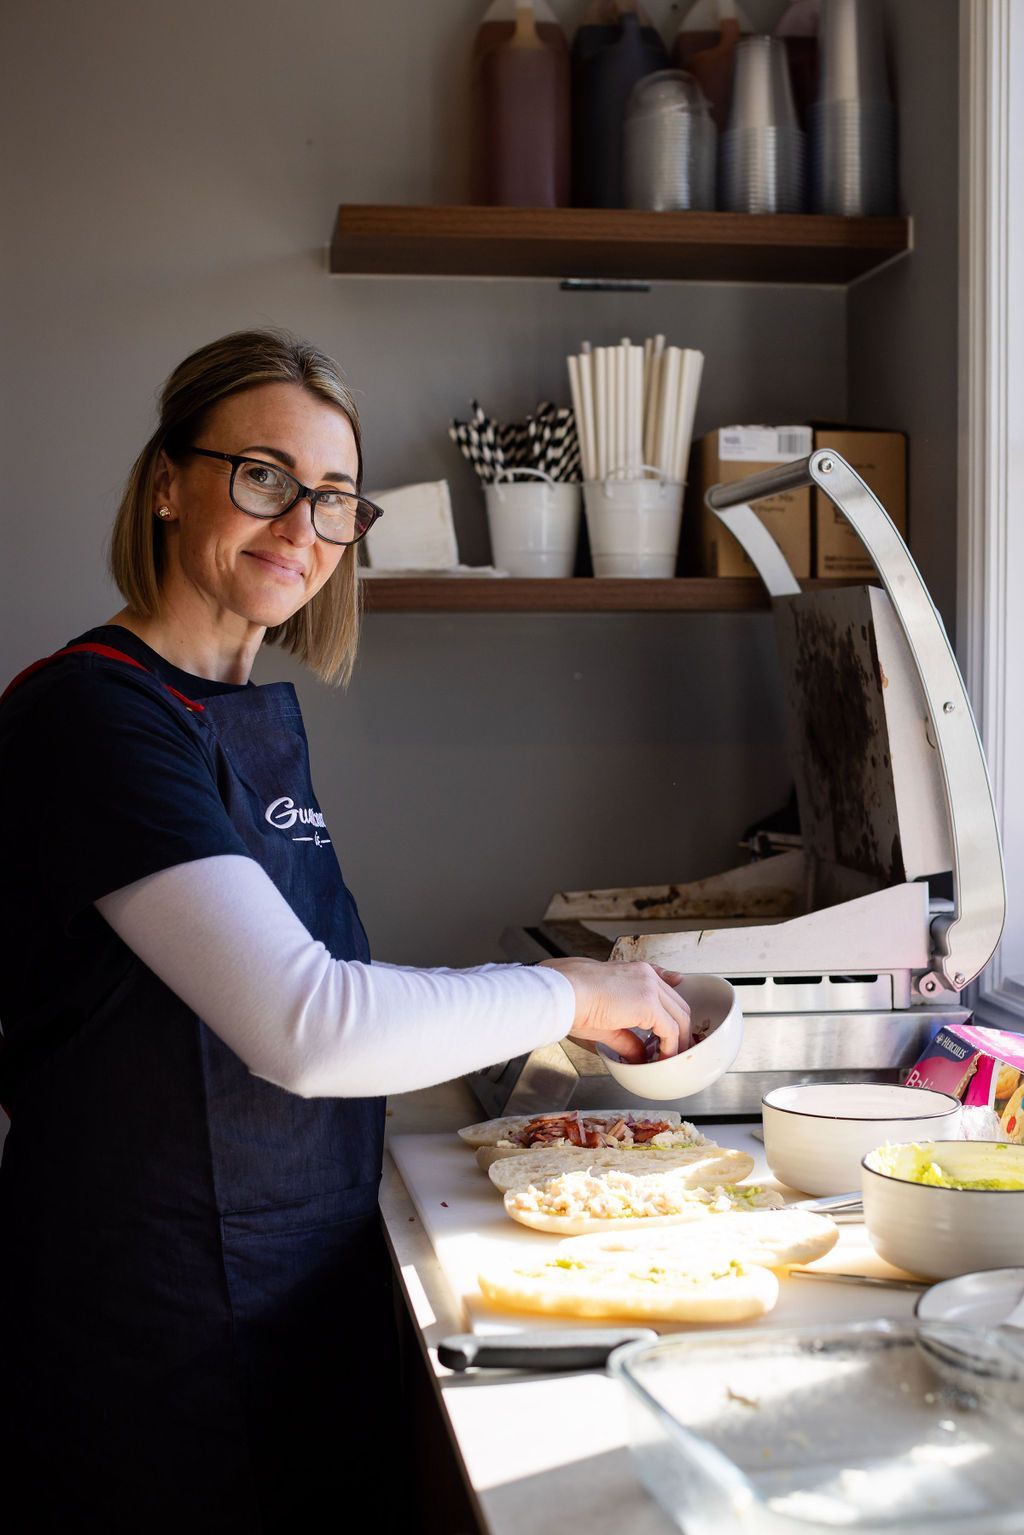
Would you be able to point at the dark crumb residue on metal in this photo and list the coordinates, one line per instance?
(840, 732)
(644, 902)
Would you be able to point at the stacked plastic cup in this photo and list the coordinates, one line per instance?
(669, 144)
(853, 122)
(761, 166)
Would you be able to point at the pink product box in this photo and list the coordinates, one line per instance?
(978, 1066)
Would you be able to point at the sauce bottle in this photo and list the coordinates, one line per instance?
(705, 46)
(520, 104)
(614, 47)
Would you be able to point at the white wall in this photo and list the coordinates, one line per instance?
(172, 173)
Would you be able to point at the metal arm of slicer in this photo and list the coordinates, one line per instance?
(963, 940)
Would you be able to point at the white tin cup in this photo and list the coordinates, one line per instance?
(634, 524)
(534, 528)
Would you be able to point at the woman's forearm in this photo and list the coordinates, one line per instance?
(220, 935)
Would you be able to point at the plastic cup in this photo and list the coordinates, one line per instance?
(762, 96)
(852, 52)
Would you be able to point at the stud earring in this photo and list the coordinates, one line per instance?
(164, 511)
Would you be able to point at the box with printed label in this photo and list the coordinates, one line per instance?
(732, 453)
(880, 458)
(980, 1067)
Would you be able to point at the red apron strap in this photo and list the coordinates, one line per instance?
(109, 654)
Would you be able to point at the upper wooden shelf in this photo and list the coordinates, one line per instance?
(578, 594)
(612, 243)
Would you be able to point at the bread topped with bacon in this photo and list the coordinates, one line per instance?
(596, 1129)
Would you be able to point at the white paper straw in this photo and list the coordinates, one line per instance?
(648, 353)
(692, 368)
(636, 449)
(625, 404)
(610, 411)
(601, 409)
(668, 410)
(617, 410)
(586, 362)
(652, 398)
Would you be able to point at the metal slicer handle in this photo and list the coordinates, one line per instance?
(963, 940)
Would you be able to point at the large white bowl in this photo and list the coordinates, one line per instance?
(816, 1133)
(711, 1000)
(938, 1232)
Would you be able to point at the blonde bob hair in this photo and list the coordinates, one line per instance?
(325, 632)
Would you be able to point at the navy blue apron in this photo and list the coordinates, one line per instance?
(195, 1313)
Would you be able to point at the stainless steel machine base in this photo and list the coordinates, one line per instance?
(777, 1049)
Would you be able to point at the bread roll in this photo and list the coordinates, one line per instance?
(648, 1290)
(704, 1166)
(580, 1202)
(492, 1131)
(771, 1238)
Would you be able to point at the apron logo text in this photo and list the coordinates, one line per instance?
(284, 814)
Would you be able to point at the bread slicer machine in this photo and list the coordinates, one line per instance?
(846, 960)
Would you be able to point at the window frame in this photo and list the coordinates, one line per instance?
(990, 628)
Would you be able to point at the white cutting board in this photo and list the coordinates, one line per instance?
(463, 1215)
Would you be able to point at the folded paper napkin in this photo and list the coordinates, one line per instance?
(417, 531)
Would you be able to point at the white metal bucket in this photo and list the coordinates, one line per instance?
(535, 527)
(634, 525)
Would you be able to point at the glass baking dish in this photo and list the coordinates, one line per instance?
(892, 1428)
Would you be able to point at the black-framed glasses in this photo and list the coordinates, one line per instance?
(263, 490)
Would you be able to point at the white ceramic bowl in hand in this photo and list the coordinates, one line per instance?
(938, 1232)
(713, 1004)
(815, 1134)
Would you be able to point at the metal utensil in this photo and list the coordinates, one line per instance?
(844, 1209)
(868, 1279)
(585, 1348)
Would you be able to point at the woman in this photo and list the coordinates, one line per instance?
(194, 1312)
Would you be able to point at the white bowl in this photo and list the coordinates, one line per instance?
(710, 1000)
(982, 1298)
(815, 1134)
(937, 1232)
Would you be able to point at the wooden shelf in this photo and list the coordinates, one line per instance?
(579, 594)
(612, 243)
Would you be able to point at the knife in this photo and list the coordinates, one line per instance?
(585, 1348)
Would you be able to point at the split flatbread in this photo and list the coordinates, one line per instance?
(678, 1137)
(649, 1290)
(770, 1238)
(580, 1202)
(519, 1132)
(704, 1166)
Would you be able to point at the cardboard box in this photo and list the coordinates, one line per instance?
(981, 1067)
(732, 453)
(880, 458)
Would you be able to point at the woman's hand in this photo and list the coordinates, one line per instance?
(614, 998)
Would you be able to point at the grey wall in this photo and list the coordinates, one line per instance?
(902, 324)
(173, 173)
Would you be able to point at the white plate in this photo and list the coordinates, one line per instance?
(981, 1299)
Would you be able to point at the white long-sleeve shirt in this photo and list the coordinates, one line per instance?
(220, 935)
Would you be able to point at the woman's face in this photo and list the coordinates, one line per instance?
(263, 571)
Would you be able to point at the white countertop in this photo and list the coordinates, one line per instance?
(544, 1452)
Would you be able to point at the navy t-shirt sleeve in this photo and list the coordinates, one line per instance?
(124, 783)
